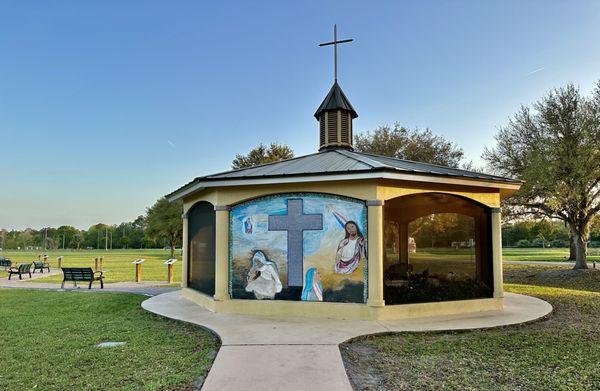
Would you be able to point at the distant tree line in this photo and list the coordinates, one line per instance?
(544, 233)
(161, 226)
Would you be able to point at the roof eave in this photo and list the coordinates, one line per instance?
(202, 183)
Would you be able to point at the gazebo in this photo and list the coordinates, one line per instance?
(344, 234)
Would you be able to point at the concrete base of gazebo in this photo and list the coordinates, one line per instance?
(354, 311)
(302, 348)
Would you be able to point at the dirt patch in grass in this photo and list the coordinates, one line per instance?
(553, 276)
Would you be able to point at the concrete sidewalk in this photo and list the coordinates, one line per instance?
(150, 288)
(273, 353)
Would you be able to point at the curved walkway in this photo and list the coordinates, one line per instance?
(272, 353)
(148, 288)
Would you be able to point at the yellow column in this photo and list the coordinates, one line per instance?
(222, 252)
(375, 243)
(497, 252)
(184, 253)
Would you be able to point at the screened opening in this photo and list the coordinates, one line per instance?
(201, 258)
(436, 248)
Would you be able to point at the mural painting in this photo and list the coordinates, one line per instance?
(310, 247)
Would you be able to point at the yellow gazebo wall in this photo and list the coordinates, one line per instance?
(375, 193)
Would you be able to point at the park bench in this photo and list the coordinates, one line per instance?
(41, 265)
(24, 268)
(5, 263)
(82, 274)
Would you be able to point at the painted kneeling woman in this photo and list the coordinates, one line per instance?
(263, 277)
(350, 250)
(313, 289)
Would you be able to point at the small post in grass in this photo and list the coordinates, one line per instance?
(101, 260)
(138, 269)
(59, 260)
(169, 264)
(96, 261)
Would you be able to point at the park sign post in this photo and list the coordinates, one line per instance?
(169, 264)
(138, 269)
(98, 263)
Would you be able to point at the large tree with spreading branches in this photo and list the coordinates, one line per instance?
(261, 155)
(554, 146)
(411, 144)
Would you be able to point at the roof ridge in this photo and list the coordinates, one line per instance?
(362, 159)
(429, 164)
(260, 165)
(334, 100)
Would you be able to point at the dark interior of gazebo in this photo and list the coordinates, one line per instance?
(437, 247)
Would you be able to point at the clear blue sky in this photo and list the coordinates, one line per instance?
(106, 106)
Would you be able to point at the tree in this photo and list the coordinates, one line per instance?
(409, 144)
(77, 240)
(261, 155)
(3, 236)
(163, 221)
(95, 236)
(595, 231)
(553, 146)
(64, 235)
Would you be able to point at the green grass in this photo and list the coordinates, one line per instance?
(561, 352)
(508, 254)
(544, 254)
(117, 263)
(48, 338)
(553, 277)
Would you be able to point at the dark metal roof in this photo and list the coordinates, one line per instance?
(336, 99)
(342, 161)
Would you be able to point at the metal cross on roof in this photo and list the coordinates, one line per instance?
(335, 43)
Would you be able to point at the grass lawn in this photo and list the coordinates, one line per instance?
(48, 338)
(116, 264)
(544, 254)
(560, 352)
(508, 254)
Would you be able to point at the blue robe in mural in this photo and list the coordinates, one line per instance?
(313, 290)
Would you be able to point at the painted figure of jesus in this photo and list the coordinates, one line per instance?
(350, 250)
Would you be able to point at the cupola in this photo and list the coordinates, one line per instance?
(335, 114)
(335, 117)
